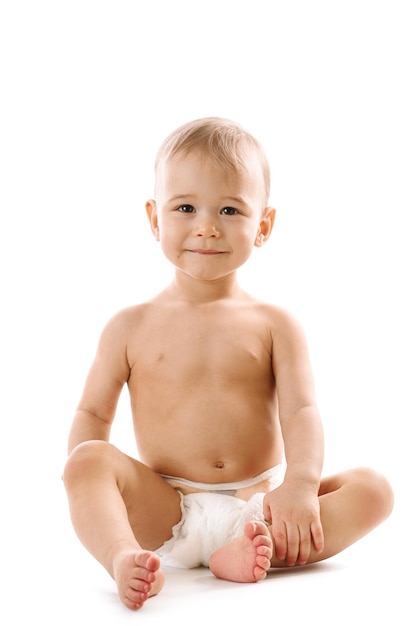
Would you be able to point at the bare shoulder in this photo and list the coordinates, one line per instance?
(281, 322)
(287, 335)
(116, 333)
(124, 319)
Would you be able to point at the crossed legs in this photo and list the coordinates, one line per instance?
(122, 511)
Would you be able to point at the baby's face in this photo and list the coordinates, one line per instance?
(207, 218)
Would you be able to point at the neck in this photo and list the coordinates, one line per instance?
(190, 289)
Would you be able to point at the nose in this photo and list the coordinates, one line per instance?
(207, 228)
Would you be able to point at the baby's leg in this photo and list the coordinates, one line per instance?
(352, 503)
(121, 511)
(245, 559)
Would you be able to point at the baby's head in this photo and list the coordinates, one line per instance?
(220, 139)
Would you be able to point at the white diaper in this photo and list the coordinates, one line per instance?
(209, 520)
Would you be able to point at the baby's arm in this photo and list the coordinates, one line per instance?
(293, 508)
(107, 375)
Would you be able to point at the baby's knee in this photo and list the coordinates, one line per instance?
(88, 456)
(378, 491)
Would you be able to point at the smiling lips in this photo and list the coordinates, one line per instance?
(207, 252)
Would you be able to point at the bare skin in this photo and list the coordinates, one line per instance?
(245, 559)
(207, 367)
(138, 577)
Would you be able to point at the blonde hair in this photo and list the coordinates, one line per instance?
(221, 139)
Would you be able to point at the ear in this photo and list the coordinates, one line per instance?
(153, 218)
(265, 227)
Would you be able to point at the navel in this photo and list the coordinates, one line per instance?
(219, 465)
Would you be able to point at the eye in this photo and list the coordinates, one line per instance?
(228, 210)
(185, 208)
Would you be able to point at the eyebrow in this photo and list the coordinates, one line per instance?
(180, 196)
(185, 196)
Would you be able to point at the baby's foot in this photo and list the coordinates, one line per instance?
(245, 559)
(138, 577)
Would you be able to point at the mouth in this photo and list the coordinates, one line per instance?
(206, 252)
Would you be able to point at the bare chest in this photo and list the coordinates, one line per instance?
(219, 348)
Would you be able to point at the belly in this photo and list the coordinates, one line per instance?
(211, 450)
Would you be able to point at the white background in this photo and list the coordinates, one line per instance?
(88, 92)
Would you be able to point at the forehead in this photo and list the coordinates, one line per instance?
(197, 169)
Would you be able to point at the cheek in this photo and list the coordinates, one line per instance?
(170, 242)
(249, 234)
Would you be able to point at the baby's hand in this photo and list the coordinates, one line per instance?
(294, 513)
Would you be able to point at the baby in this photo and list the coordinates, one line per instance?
(221, 392)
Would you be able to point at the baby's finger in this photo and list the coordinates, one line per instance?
(293, 544)
(279, 534)
(318, 536)
(305, 546)
(267, 512)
